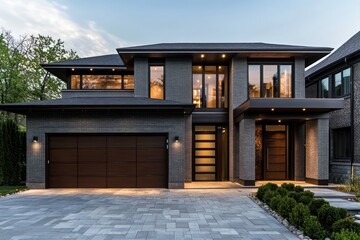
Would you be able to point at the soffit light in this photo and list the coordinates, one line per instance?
(202, 55)
(73, 69)
(273, 109)
(304, 109)
(91, 69)
(223, 56)
(279, 121)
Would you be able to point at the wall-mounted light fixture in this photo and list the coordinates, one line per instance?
(176, 139)
(35, 139)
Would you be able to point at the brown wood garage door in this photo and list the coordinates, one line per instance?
(107, 161)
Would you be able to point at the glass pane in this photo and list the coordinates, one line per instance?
(324, 88)
(204, 160)
(270, 80)
(205, 128)
(205, 177)
(337, 85)
(205, 145)
(205, 153)
(101, 81)
(157, 82)
(75, 81)
(254, 81)
(128, 81)
(210, 87)
(205, 169)
(205, 137)
(346, 81)
(285, 81)
(223, 87)
(197, 86)
(342, 143)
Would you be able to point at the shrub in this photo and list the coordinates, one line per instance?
(274, 203)
(298, 215)
(308, 193)
(342, 213)
(285, 206)
(346, 235)
(328, 215)
(313, 228)
(269, 195)
(282, 191)
(288, 186)
(264, 188)
(305, 199)
(346, 223)
(294, 195)
(299, 189)
(316, 204)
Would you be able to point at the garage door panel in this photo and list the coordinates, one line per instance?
(121, 141)
(121, 155)
(151, 141)
(63, 142)
(92, 142)
(121, 182)
(91, 169)
(63, 155)
(92, 155)
(58, 170)
(152, 168)
(152, 182)
(151, 154)
(121, 169)
(92, 182)
(63, 182)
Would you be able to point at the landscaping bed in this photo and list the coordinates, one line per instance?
(304, 215)
(7, 190)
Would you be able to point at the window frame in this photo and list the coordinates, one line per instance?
(113, 89)
(349, 143)
(203, 103)
(156, 64)
(278, 64)
(341, 72)
(320, 88)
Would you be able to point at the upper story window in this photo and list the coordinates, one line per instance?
(157, 90)
(210, 86)
(102, 82)
(342, 83)
(324, 88)
(270, 80)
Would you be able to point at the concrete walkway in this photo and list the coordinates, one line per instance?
(136, 214)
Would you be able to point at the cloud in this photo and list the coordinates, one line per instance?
(49, 18)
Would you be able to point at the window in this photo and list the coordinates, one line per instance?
(270, 81)
(101, 82)
(210, 86)
(324, 88)
(157, 82)
(342, 83)
(342, 143)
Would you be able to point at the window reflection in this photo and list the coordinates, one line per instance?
(325, 88)
(197, 86)
(101, 81)
(157, 82)
(285, 81)
(270, 78)
(346, 81)
(75, 81)
(210, 87)
(254, 81)
(337, 84)
(223, 87)
(128, 81)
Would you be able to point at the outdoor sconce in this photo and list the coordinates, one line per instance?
(176, 139)
(35, 139)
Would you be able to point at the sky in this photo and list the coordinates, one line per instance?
(98, 27)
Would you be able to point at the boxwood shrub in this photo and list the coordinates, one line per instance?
(313, 228)
(346, 223)
(316, 204)
(285, 206)
(298, 215)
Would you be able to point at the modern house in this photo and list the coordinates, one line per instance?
(165, 114)
(338, 76)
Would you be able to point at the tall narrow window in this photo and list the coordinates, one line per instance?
(157, 82)
(254, 81)
(210, 86)
(337, 85)
(197, 86)
(285, 81)
(270, 80)
(128, 81)
(324, 88)
(346, 81)
(75, 81)
(223, 86)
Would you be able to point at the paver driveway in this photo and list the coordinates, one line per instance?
(136, 214)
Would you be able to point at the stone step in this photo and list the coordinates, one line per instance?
(343, 203)
(357, 217)
(330, 193)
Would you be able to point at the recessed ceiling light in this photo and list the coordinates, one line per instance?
(91, 69)
(72, 69)
(304, 109)
(223, 56)
(219, 67)
(273, 109)
(113, 69)
(279, 121)
(202, 55)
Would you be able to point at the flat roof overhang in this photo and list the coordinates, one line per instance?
(289, 105)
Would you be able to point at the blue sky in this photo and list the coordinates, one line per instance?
(98, 27)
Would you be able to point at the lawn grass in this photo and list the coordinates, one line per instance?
(4, 190)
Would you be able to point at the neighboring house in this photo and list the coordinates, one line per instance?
(164, 114)
(338, 76)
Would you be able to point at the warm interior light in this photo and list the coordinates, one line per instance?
(279, 121)
(199, 67)
(202, 55)
(223, 56)
(304, 109)
(219, 67)
(273, 109)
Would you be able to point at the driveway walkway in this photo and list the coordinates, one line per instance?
(136, 214)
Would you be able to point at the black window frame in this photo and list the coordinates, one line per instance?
(320, 88)
(85, 89)
(347, 143)
(342, 83)
(278, 64)
(156, 64)
(203, 103)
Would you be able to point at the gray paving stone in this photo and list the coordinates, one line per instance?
(107, 214)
